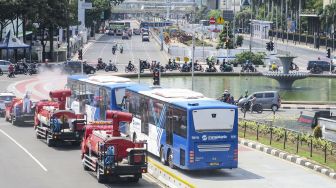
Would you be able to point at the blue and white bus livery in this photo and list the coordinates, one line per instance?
(184, 128)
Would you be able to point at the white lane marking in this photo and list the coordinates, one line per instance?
(132, 50)
(25, 150)
(101, 52)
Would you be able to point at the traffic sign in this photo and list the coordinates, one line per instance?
(220, 20)
(212, 20)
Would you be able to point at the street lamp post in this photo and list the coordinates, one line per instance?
(193, 52)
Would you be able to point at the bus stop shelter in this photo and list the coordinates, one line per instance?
(12, 43)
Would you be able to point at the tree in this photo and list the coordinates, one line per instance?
(201, 14)
(214, 13)
(226, 38)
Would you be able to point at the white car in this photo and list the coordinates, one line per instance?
(4, 65)
(5, 97)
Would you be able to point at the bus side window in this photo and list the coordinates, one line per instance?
(180, 123)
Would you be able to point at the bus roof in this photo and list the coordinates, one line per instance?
(106, 81)
(184, 98)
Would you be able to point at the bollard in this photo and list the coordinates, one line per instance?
(325, 152)
(258, 132)
(244, 129)
(311, 146)
(285, 139)
(271, 136)
(297, 143)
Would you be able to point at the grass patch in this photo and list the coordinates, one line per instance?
(304, 148)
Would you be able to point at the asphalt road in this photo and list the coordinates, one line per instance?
(134, 49)
(34, 164)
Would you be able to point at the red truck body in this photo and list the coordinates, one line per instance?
(128, 157)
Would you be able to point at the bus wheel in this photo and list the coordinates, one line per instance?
(170, 160)
(162, 158)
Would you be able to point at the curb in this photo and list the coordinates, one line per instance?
(289, 157)
(306, 108)
(165, 176)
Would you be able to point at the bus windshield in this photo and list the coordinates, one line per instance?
(213, 119)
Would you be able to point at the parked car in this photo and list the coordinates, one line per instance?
(5, 97)
(72, 67)
(4, 65)
(136, 31)
(324, 65)
(267, 99)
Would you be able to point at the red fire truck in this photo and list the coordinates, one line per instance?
(110, 154)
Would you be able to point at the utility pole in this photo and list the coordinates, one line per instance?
(193, 51)
(234, 23)
(251, 37)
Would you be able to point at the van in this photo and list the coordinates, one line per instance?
(267, 99)
(324, 65)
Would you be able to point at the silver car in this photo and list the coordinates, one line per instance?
(267, 99)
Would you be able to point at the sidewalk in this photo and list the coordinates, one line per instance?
(285, 43)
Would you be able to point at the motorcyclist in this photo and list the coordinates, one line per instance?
(185, 66)
(274, 67)
(11, 70)
(169, 62)
(114, 48)
(130, 66)
(121, 48)
(314, 67)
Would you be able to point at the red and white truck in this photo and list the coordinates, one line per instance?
(110, 154)
(55, 123)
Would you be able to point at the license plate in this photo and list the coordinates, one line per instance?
(214, 164)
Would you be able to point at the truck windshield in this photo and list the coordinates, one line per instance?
(213, 119)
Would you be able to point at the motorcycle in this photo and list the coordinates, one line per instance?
(32, 69)
(211, 69)
(131, 69)
(20, 68)
(100, 66)
(225, 68)
(11, 74)
(248, 68)
(121, 50)
(173, 66)
(294, 67)
(256, 108)
(111, 67)
(185, 68)
(198, 67)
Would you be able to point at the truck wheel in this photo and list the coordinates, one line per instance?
(135, 179)
(13, 121)
(38, 136)
(50, 141)
(100, 177)
(86, 168)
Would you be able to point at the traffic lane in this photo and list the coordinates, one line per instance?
(62, 162)
(257, 169)
(16, 164)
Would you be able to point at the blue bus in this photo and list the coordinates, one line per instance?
(93, 95)
(184, 128)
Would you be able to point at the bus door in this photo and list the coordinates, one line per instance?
(169, 126)
(102, 102)
(81, 97)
